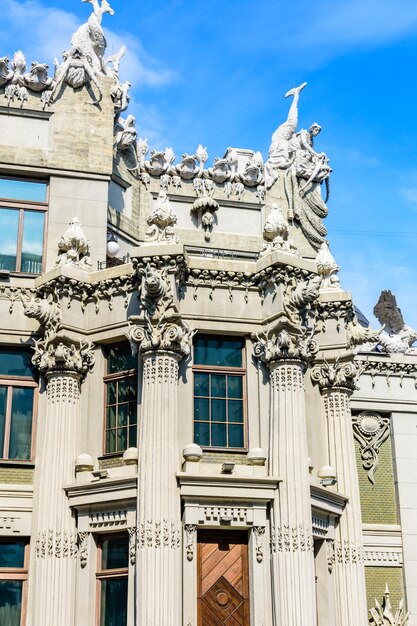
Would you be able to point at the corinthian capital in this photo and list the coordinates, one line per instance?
(167, 337)
(53, 358)
(336, 375)
(285, 345)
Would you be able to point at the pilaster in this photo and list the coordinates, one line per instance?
(337, 383)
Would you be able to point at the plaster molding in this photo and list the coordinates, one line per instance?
(59, 358)
(170, 338)
(291, 538)
(285, 344)
(56, 544)
(370, 430)
(191, 534)
(83, 547)
(388, 369)
(132, 544)
(101, 521)
(259, 533)
(159, 534)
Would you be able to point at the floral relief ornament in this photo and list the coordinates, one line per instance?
(370, 430)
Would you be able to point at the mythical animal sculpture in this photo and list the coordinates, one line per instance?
(398, 337)
(161, 221)
(48, 314)
(125, 136)
(16, 88)
(159, 162)
(38, 80)
(90, 39)
(252, 175)
(6, 73)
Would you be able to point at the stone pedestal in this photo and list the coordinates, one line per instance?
(337, 384)
(291, 525)
(53, 560)
(159, 532)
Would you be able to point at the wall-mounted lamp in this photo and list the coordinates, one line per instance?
(112, 248)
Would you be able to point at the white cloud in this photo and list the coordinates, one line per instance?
(410, 194)
(44, 32)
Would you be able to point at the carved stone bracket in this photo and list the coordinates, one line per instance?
(132, 544)
(190, 532)
(206, 208)
(330, 554)
(259, 533)
(83, 547)
(336, 375)
(370, 430)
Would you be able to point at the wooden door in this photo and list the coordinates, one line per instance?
(223, 586)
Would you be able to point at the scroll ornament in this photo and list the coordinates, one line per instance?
(336, 375)
(164, 337)
(285, 345)
(371, 430)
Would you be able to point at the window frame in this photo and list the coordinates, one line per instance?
(18, 573)
(12, 382)
(224, 370)
(116, 377)
(121, 572)
(22, 206)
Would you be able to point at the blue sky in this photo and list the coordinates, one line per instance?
(215, 73)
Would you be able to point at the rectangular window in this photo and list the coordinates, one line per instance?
(219, 392)
(13, 580)
(121, 400)
(112, 579)
(18, 394)
(23, 206)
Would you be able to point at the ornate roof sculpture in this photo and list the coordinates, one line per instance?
(398, 337)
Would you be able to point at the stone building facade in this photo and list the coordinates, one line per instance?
(195, 427)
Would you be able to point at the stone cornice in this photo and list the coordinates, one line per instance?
(388, 368)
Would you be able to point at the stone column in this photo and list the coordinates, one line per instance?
(337, 383)
(158, 562)
(293, 580)
(54, 535)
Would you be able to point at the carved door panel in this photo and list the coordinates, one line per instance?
(223, 586)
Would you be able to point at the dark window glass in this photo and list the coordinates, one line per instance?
(218, 351)
(15, 363)
(115, 553)
(12, 554)
(22, 190)
(114, 602)
(120, 359)
(21, 423)
(218, 393)
(10, 602)
(3, 408)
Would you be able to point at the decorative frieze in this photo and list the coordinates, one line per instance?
(214, 279)
(388, 369)
(223, 514)
(342, 312)
(383, 558)
(158, 534)
(348, 552)
(291, 538)
(55, 544)
(370, 431)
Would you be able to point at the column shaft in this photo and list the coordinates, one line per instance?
(349, 572)
(292, 557)
(158, 579)
(54, 545)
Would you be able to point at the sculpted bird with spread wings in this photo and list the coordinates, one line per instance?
(399, 337)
